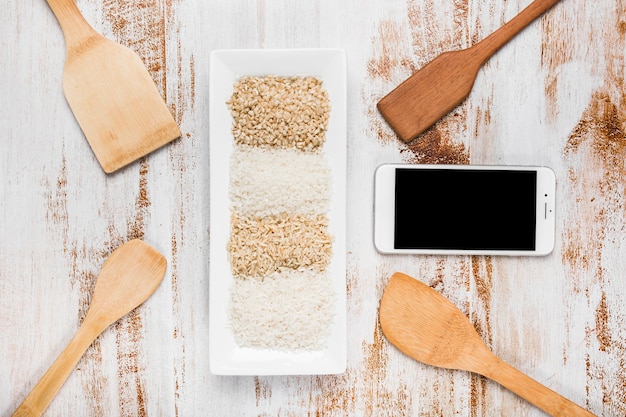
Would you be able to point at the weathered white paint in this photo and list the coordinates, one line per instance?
(553, 96)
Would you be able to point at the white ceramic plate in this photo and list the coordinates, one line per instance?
(329, 65)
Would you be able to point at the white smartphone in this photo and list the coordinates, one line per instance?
(464, 209)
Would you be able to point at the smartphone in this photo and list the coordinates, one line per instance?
(464, 209)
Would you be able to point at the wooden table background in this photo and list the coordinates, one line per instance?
(553, 96)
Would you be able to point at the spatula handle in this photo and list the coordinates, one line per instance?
(47, 387)
(532, 391)
(488, 46)
(74, 26)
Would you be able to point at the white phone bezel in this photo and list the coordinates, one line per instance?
(384, 210)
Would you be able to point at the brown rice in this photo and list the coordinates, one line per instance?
(261, 245)
(284, 112)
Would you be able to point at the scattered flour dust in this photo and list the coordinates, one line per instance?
(286, 310)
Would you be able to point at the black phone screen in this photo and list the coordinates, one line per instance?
(471, 209)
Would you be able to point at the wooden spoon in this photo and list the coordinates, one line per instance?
(128, 277)
(427, 327)
(441, 85)
(111, 93)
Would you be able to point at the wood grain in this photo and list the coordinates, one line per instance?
(427, 327)
(111, 94)
(445, 82)
(128, 277)
(553, 96)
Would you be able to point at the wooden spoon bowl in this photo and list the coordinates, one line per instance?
(128, 277)
(429, 328)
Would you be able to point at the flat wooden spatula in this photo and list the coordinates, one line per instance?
(445, 82)
(111, 93)
(427, 327)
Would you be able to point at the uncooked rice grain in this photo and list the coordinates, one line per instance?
(284, 112)
(261, 245)
(267, 182)
(288, 310)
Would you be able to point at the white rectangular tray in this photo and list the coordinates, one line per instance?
(226, 66)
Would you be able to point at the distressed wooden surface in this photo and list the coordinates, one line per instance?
(553, 96)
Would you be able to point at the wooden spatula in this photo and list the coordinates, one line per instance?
(429, 328)
(128, 277)
(443, 84)
(111, 93)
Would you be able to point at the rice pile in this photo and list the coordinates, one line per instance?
(261, 245)
(304, 175)
(280, 246)
(288, 310)
(281, 112)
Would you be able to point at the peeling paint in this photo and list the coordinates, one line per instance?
(586, 295)
(603, 332)
(596, 187)
(56, 196)
(482, 273)
(131, 389)
(598, 142)
(142, 27)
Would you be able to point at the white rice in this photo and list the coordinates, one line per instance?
(267, 182)
(289, 310)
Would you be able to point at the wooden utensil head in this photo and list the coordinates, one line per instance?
(426, 326)
(115, 102)
(128, 277)
(430, 93)
(446, 81)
